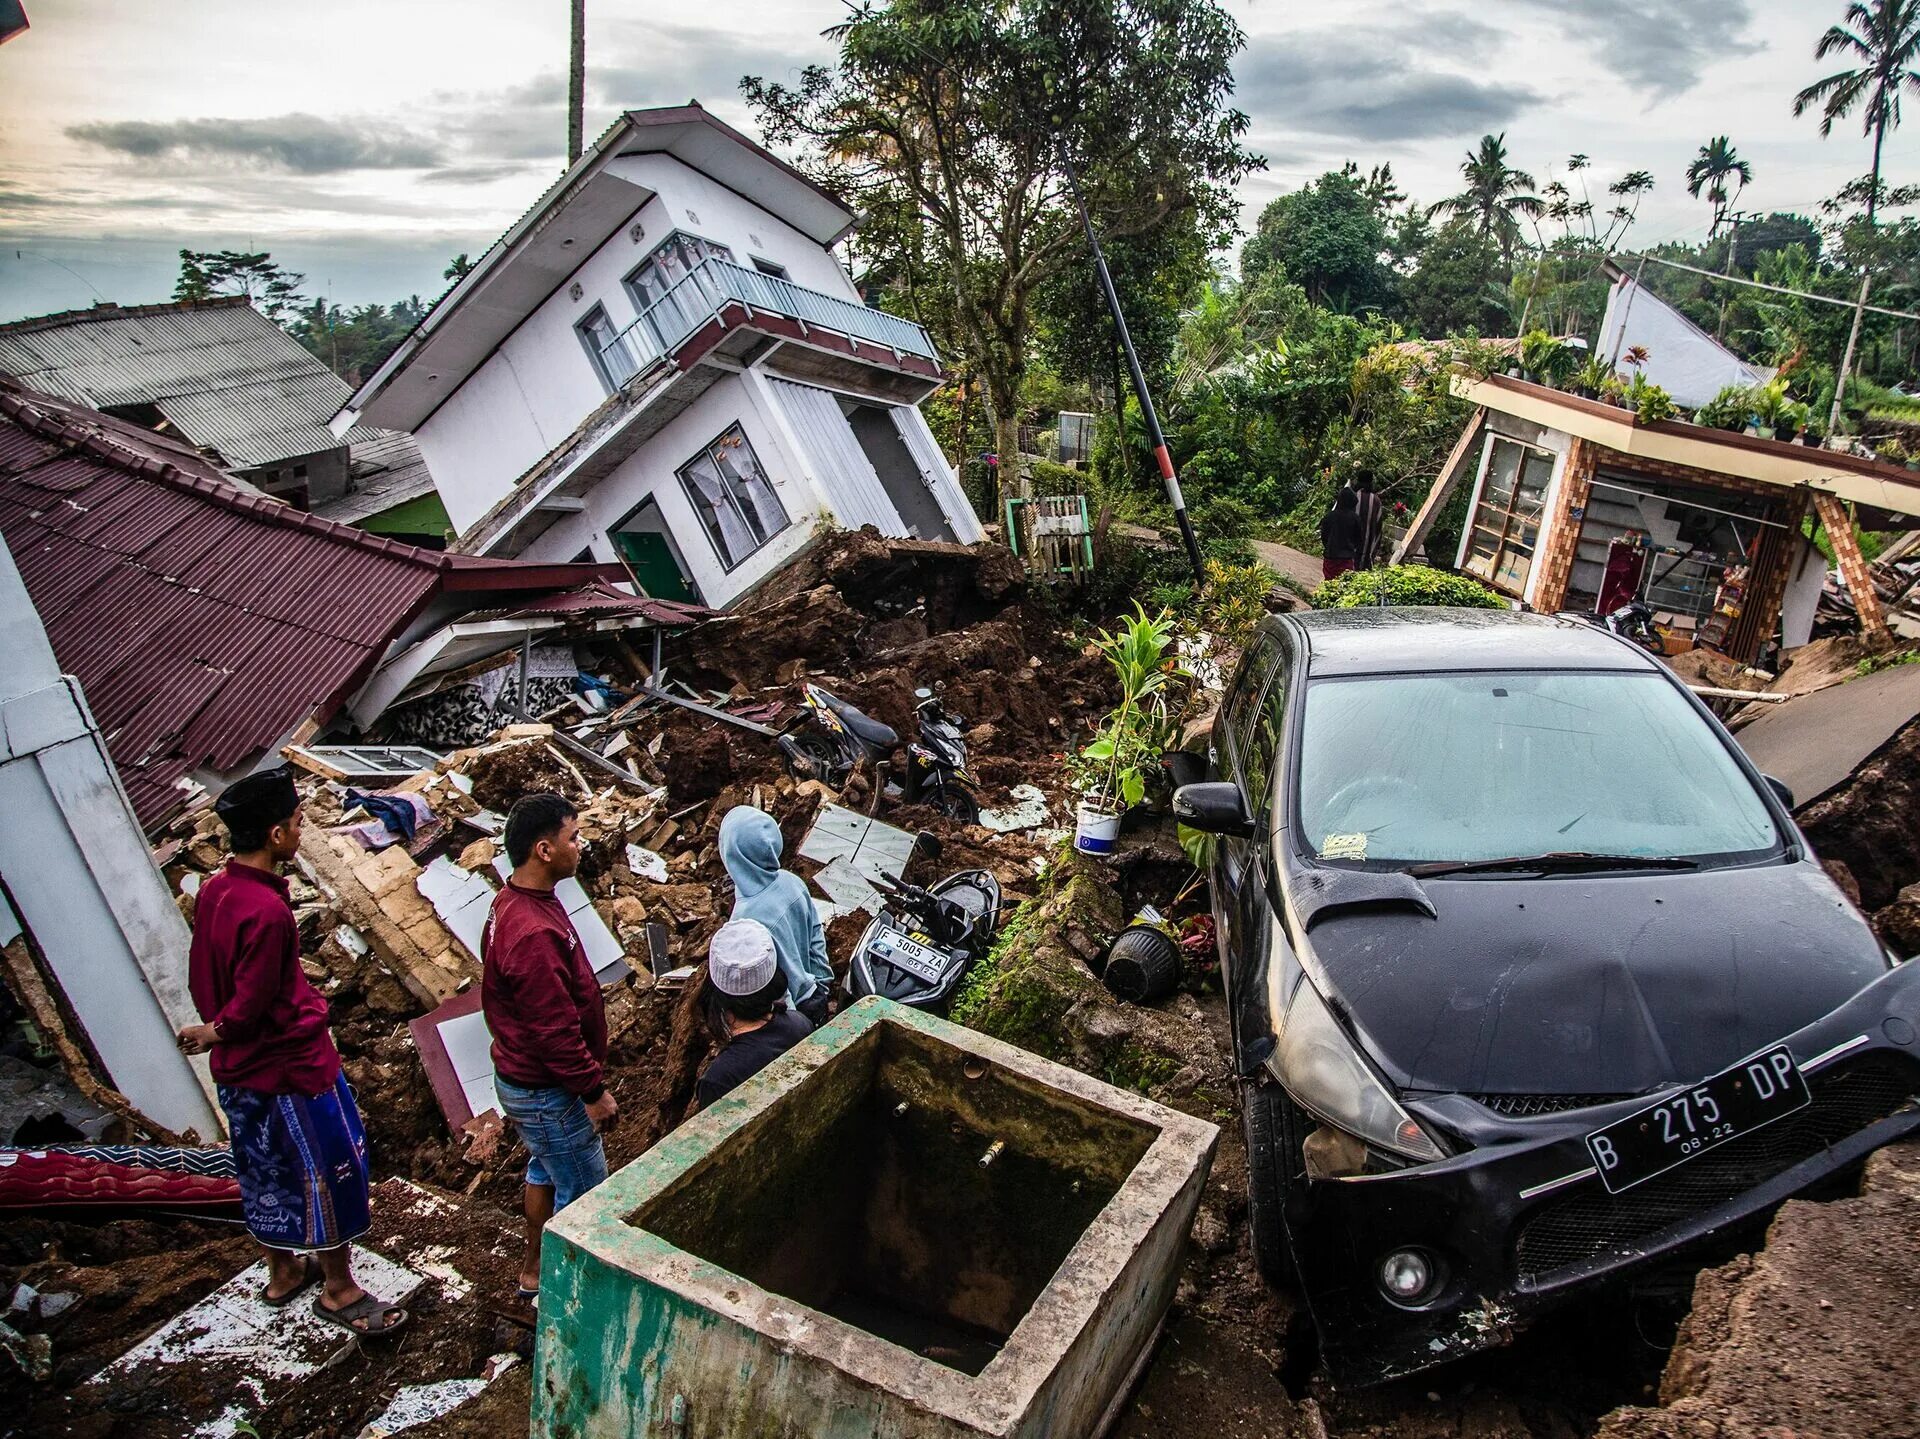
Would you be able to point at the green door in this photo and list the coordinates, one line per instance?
(651, 562)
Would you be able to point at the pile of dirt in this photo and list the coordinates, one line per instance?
(1868, 825)
(1813, 1335)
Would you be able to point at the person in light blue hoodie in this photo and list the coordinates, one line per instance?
(750, 847)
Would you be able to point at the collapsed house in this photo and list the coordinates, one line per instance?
(187, 629)
(663, 363)
(1575, 504)
(243, 393)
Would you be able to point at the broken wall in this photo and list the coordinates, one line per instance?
(78, 877)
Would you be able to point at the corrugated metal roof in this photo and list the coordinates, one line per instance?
(226, 376)
(204, 620)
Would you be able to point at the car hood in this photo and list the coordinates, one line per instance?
(1589, 984)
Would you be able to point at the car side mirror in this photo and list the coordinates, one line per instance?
(1184, 767)
(1214, 807)
(1779, 787)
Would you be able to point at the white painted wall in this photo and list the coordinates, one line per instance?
(540, 384)
(654, 470)
(82, 881)
(1682, 358)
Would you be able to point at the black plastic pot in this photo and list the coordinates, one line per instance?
(1143, 965)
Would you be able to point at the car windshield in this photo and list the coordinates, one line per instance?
(1406, 769)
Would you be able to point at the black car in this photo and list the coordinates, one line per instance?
(1533, 981)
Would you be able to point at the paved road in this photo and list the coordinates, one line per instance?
(1303, 569)
(1813, 742)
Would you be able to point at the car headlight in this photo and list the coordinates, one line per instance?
(1320, 1068)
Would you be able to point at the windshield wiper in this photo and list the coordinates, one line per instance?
(1559, 862)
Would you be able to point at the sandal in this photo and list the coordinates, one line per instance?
(310, 1273)
(373, 1311)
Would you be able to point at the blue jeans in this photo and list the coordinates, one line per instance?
(563, 1148)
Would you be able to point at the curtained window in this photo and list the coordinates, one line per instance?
(733, 497)
(674, 309)
(612, 357)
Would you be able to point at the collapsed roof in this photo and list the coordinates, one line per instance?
(205, 621)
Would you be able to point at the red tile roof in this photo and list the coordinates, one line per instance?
(204, 621)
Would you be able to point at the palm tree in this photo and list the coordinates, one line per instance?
(1496, 194)
(1886, 38)
(1716, 163)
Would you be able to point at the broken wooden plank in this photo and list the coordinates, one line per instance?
(410, 943)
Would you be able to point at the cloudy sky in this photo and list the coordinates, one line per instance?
(365, 142)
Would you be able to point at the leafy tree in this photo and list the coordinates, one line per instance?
(458, 268)
(1327, 238)
(1886, 38)
(353, 342)
(1450, 292)
(1497, 195)
(1717, 163)
(966, 110)
(1887, 42)
(205, 274)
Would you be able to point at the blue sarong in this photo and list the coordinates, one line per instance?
(302, 1165)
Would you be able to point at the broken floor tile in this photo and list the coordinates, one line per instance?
(870, 846)
(1028, 811)
(233, 1345)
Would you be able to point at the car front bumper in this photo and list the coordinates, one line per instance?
(1520, 1222)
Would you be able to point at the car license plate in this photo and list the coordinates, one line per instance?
(904, 952)
(1753, 1093)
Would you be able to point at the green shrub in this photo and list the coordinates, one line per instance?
(1404, 585)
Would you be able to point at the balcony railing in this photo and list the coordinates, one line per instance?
(671, 320)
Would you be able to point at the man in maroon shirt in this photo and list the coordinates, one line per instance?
(549, 1027)
(299, 1151)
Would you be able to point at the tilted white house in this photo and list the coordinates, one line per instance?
(664, 363)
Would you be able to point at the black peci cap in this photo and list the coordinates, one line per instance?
(265, 798)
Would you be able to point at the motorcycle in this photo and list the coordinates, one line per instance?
(923, 942)
(830, 739)
(1634, 621)
(937, 763)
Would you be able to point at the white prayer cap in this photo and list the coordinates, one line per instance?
(741, 958)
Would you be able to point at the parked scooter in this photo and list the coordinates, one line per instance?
(920, 946)
(830, 738)
(1634, 621)
(937, 763)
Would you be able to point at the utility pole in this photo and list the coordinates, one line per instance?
(577, 84)
(1733, 218)
(1167, 476)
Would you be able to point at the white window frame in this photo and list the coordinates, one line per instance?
(743, 516)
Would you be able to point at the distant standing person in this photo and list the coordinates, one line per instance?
(543, 1007)
(746, 1010)
(1370, 512)
(1340, 534)
(299, 1150)
(750, 847)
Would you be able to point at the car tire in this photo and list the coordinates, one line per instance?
(1275, 1129)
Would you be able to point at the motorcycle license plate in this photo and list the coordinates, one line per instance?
(905, 952)
(1737, 1101)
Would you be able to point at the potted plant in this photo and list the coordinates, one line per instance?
(1648, 401)
(1770, 411)
(1112, 771)
(1813, 433)
(1613, 390)
(1591, 377)
(1543, 359)
(1727, 410)
(1891, 451)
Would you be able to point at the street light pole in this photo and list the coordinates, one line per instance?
(1165, 461)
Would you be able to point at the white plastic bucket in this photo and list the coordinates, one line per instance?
(1094, 830)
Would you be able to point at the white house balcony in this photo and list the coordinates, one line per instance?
(743, 313)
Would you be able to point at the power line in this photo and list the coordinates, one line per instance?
(1758, 285)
